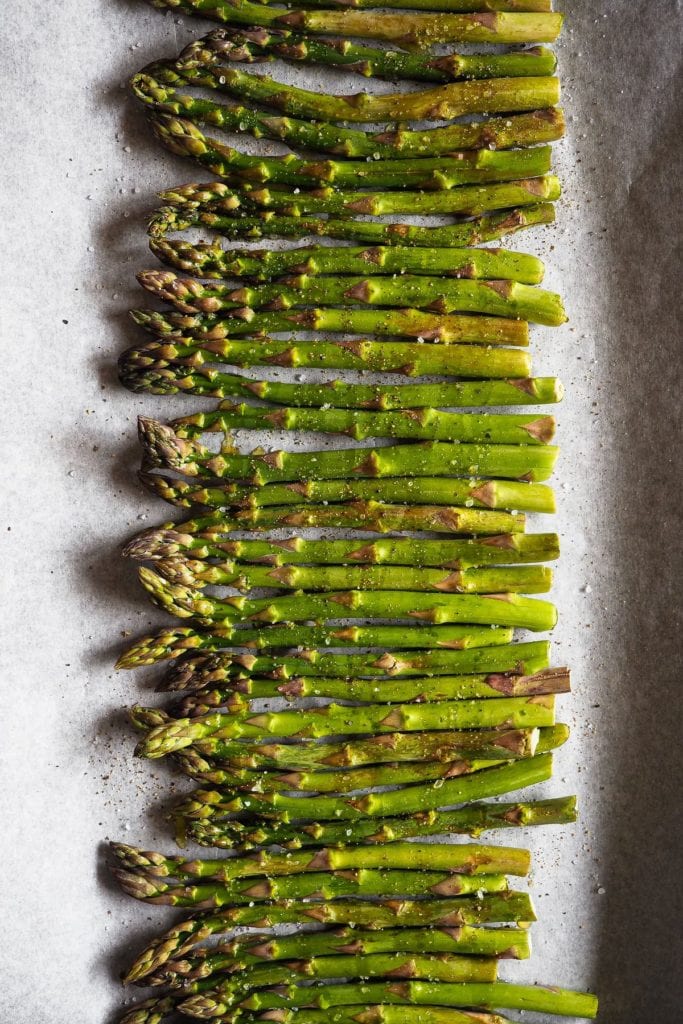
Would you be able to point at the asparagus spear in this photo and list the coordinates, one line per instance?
(220, 967)
(250, 46)
(317, 885)
(209, 260)
(474, 493)
(492, 298)
(324, 885)
(467, 200)
(239, 981)
(204, 772)
(181, 136)
(407, 30)
(463, 859)
(438, 5)
(151, 1011)
(455, 745)
(409, 323)
(383, 1014)
(209, 771)
(335, 719)
(472, 819)
(373, 515)
(163, 449)
(206, 537)
(237, 693)
(415, 799)
(529, 579)
(168, 644)
(176, 379)
(141, 366)
(266, 224)
(250, 950)
(156, 85)
(455, 913)
(417, 424)
(485, 610)
(535, 998)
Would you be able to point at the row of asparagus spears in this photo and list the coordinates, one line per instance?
(403, 700)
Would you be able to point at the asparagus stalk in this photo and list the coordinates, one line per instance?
(209, 771)
(168, 644)
(437, 5)
(499, 494)
(455, 913)
(209, 260)
(409, 30)
(481, 744)
(484, 610)
(156, 87)
(163, 449)
(206, 537)
(334, 719)
(199, 672)
(527, 579)
(241, 980)
(152, 1011)
(467, 200)
(492, 298)
(266, 224)
(224, 972)
(534, 998)
(416, 424)
(409, 323)
(251, 950)
(463, 859)
(374, 516)
(383, 1014)
(203, 771)
(415, 799)
(478, 166)
(250, 46)
(473, 819)
(236, 694)
(333, 819)
(176, 379)
(324, 885)
(139, 366)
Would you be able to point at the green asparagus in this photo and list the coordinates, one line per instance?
(531, 579)
(473, 819)
(163, 449)
(197, 672)
(150, 363)
(455, 913)
(157, 87)
(248, 46)
(492, 298)
(467, 200)
(206, 537)
(535, 998)
(499, 494)
(484, 610)
(487, 228)
(408, 30)
(209, 260)
(477, 166)
(415, 424)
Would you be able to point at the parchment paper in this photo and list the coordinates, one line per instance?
(78, 174)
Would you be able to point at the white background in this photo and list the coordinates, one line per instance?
(78, 175)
